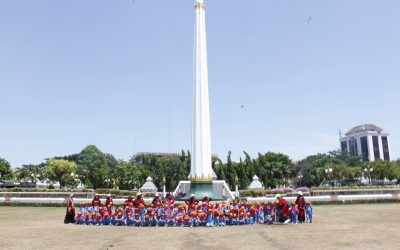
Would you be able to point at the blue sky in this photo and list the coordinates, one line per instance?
(284, 76)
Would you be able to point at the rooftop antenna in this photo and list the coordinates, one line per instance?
(340, 134)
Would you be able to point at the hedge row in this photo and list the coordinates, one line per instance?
(46, 190)
(32, 204)
(101, 191)
(355, 187)
(260, 193)
(117, 192)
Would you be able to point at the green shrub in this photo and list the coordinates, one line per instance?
(115, 192)
(46, 190)
(89, 184)
(148, 195)
(261, 192)
(354, 187)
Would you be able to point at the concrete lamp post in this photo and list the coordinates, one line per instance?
(329, 175)
(76, 179)
(300, 178)
(164, 188)
(368, 173)
(34, 178)
(236, 187)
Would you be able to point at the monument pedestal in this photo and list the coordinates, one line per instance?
(216, 190)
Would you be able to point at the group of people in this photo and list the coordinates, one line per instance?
(191, 213)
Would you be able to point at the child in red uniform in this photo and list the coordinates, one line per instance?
(138, 220)
(179, 220)
(270, 219)
(82, 207)
(96, 202)
(267, 209)
(216, 214)
(187, 221)
(146, 221)
(153, 218)
(221, 219)
(249, 218)
(191, 202)
(93, 218)
(171, 220)
(195, 218)
(259, 213)
(99, 219)
(79, 218)
(87, 218)
(293, 213)
(253, 213)
(202, 218)
(162, 221)
(301, 203)
(309, 211)
(242, 218)
(283, 209)
(157, 204)
(106, 219)
(170, 200)
(113, 219)
(120, 219)
(130, 221)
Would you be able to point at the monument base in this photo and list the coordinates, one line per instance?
(216, 190)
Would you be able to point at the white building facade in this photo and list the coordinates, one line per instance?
(367, 141)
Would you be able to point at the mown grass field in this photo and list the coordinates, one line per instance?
(366, 226)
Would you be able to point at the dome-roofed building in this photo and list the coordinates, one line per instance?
(367, 141)
(363, 129)
(256, 183)
(149, 186)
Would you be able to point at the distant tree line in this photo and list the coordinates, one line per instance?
(96, 169)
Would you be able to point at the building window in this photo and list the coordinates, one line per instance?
(353, 146)
(376, 147)
(385, 146)
(344, 146)
(364, 148)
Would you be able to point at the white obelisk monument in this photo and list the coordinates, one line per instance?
(201, 174)
(201, 170)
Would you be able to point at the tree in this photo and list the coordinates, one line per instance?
(230, 173)
(112, 164)
(243, 177)
(73, 157)
(92, 167)
(219, 169)
(249, 165)
(312, 169)
(344, 156)
(273, 168)
(381, 170)
(395, 165)
(172, 168)
(60, 171)
(6, 172)
(30, 173)
(126, 175)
